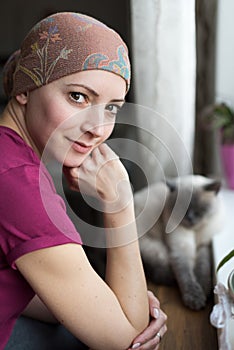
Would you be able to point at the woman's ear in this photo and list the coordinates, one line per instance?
(22, 98)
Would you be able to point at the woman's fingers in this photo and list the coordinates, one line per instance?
(151, 337)
(150, 333)
(102, 175)
(151, 343)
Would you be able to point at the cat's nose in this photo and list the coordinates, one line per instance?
(190, 217)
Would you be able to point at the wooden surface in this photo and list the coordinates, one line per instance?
(187, 329)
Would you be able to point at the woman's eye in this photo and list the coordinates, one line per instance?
(78, 97)
(113, 109)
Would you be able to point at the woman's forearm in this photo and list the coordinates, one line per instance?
(124, 270)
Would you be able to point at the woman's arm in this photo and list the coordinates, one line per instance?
(36, 309)
(67, 284)
(147, 340)
(124, 271)
(104, 315)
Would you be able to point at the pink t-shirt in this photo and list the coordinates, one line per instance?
(32, 216)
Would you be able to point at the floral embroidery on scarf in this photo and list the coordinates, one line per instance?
(40, 75)
(119, 66)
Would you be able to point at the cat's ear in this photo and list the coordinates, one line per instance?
(213, 186)
(171, 185)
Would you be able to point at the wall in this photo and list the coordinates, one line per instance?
(18, 16)
(224, 89)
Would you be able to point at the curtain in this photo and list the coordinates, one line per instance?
(164, 66)
(206, 160)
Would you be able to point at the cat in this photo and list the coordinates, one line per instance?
(190, 208)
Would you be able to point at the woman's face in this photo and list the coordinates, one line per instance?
(73, 115)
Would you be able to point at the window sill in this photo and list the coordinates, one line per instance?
(223, 243)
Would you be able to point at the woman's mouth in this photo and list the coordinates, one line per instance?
(80, 147)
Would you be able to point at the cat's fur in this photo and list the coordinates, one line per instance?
(183, 255)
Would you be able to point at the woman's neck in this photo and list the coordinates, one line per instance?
(13, 117)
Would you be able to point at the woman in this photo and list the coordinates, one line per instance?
(66, 86)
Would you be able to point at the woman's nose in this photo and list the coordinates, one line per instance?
(97, 130)
(94, 121)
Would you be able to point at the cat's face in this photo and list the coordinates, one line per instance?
(201, 202)
(200, 206)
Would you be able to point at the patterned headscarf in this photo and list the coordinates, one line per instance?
(63, 44)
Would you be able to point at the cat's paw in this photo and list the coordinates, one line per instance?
(195, 298)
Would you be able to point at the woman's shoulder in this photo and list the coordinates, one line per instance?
(14, 151)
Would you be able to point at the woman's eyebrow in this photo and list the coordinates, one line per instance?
(85, 87)
(118, 100)
(94, 92)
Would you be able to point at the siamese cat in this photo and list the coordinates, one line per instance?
(176, 221)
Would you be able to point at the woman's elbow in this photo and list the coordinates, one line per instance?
(125, 340)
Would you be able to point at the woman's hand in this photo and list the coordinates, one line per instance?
(103, 176)
(150, 338)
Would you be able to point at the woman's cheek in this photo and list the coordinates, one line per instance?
(108, 131)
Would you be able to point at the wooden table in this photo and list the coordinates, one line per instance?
(187, 329)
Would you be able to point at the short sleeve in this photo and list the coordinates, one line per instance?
(33, 215)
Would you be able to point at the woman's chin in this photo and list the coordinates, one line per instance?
(73, 162)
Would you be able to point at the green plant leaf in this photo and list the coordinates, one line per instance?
(225, 259)
(221, 117)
